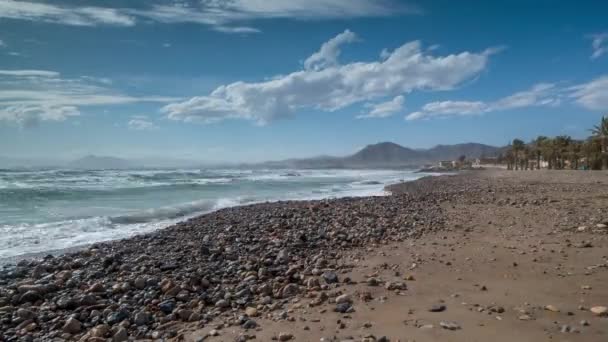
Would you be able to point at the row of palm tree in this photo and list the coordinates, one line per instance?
(561, 152)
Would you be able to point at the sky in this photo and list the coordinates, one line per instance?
(254, 80)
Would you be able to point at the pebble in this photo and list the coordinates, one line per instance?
(599, 310)
(285, 336)
(449, 325)
(72, 326)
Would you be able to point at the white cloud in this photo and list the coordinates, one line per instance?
(592, 95)
(405, 69)
(30, 96)
(329, 52)
(599, 44)
(30, 115)
(383, 109)
(221, 15)
(2, 43)
(78, 16)
(141, 123)
(27, 73)
(236, 29)
(542, 94)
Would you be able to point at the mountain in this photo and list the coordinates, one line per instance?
(389, 155)
(92, 162)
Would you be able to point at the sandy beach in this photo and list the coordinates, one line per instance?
(486, 255)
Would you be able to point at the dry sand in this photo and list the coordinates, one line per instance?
(533, 243)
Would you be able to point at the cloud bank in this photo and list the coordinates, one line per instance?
(31, 96)
(327, 85)
(221, 15)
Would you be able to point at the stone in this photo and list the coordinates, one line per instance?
(25, 314)
(141, 318)
(140, 283)
(343, 308)
(599, 311)
(525, 317)
(285, 336)
(249, 324)
(395, 286)
(290, 290)
(449, 325)
(72, 326)
(167, 306)
(345, 298)
(97, 287)
(120, 335)
(551, 308)
(251, 312)
(222, 303)
(30, 297)
(584, 323)
(117, 317)
(100, 331)
(330, 277)
(437, 308)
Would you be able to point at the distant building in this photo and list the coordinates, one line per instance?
(446, 164)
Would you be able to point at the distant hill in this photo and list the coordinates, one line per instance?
(92, 162)
(390, 155)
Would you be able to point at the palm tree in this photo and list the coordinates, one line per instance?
(601, 132)
(517, 147)
(539, 144)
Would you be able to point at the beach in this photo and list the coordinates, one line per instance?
(493, 254)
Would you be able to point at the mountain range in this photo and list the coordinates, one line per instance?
(390, 155)
(380, 155)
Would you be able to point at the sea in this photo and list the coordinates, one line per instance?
(55, 209)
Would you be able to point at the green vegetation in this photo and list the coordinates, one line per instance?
(561, 152)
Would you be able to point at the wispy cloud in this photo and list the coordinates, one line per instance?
(2, 44)
(30, 96)
(599, 44)
(78, 16)
(383, 109)
(222, 15)
(592, 95)
(542, 94)
(141, 123)
(333, 86)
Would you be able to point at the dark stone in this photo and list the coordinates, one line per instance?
(167, 306)
(330, 277)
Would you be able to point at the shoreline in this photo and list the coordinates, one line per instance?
(10, 261)
(294, 267)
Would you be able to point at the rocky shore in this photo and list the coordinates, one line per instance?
(274, 271)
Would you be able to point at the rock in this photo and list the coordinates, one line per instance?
(26, 314)
(96, 287)
(140, 283)
(601, 226)
(120, 335)
(251, 312)
(372, 282)
(290, 290)
(249, 324)
(72, 326)
(100, 331)
(167, 306)
(141, 318)
(599, 311)
(345, 298)
(222, 303)
(584, 323)
(551, 308)
(395, 286)
(330, 277)
(449, 325)
(343, 307)
(30, 296)
(285, 336)
(437, 308)
(117, 317)
(565, 328)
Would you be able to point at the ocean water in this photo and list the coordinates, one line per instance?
(45, 210)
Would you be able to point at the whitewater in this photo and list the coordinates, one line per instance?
(48, 210)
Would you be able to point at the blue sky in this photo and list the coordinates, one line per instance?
(250, 80)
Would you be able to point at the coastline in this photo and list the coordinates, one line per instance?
(308, 259)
